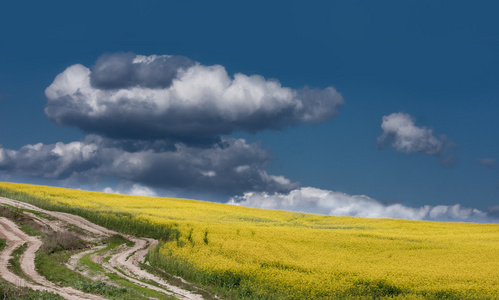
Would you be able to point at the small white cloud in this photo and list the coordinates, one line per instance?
(135, 190)
(401, 134)
(399, 130)
(110, 190)
(209, 173)
(241, 169)
(313, 200)
(140, 190)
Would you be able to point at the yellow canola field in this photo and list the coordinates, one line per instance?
(278, 255)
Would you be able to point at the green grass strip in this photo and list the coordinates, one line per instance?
(86, 261)
(11, 292)
(119, 221)
(97, 268)
(51, 266)
(14, 262)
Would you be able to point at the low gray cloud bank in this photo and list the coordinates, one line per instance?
(227, 168)
(313, 200)
(400, 132)
(149, 97)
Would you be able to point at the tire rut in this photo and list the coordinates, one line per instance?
(127, 263)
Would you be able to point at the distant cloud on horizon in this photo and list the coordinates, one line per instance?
(318, 201)
(400, 132)
(134, 190)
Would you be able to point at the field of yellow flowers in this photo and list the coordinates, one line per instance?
(265, 254)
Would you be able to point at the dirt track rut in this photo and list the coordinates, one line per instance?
(15, 239)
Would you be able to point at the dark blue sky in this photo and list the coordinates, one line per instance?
(436, 62)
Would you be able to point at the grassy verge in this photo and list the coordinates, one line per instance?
(11, 292)
(116, 240)
(51, 266)
(178, 282)
(121, 222)
(143, 292)
(225, 285)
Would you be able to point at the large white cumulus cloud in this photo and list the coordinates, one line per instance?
(133, 96)
(313, 200)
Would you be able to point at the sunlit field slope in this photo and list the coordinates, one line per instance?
(263, 254)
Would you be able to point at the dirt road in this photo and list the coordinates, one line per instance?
(15, 239)
(126, 262)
